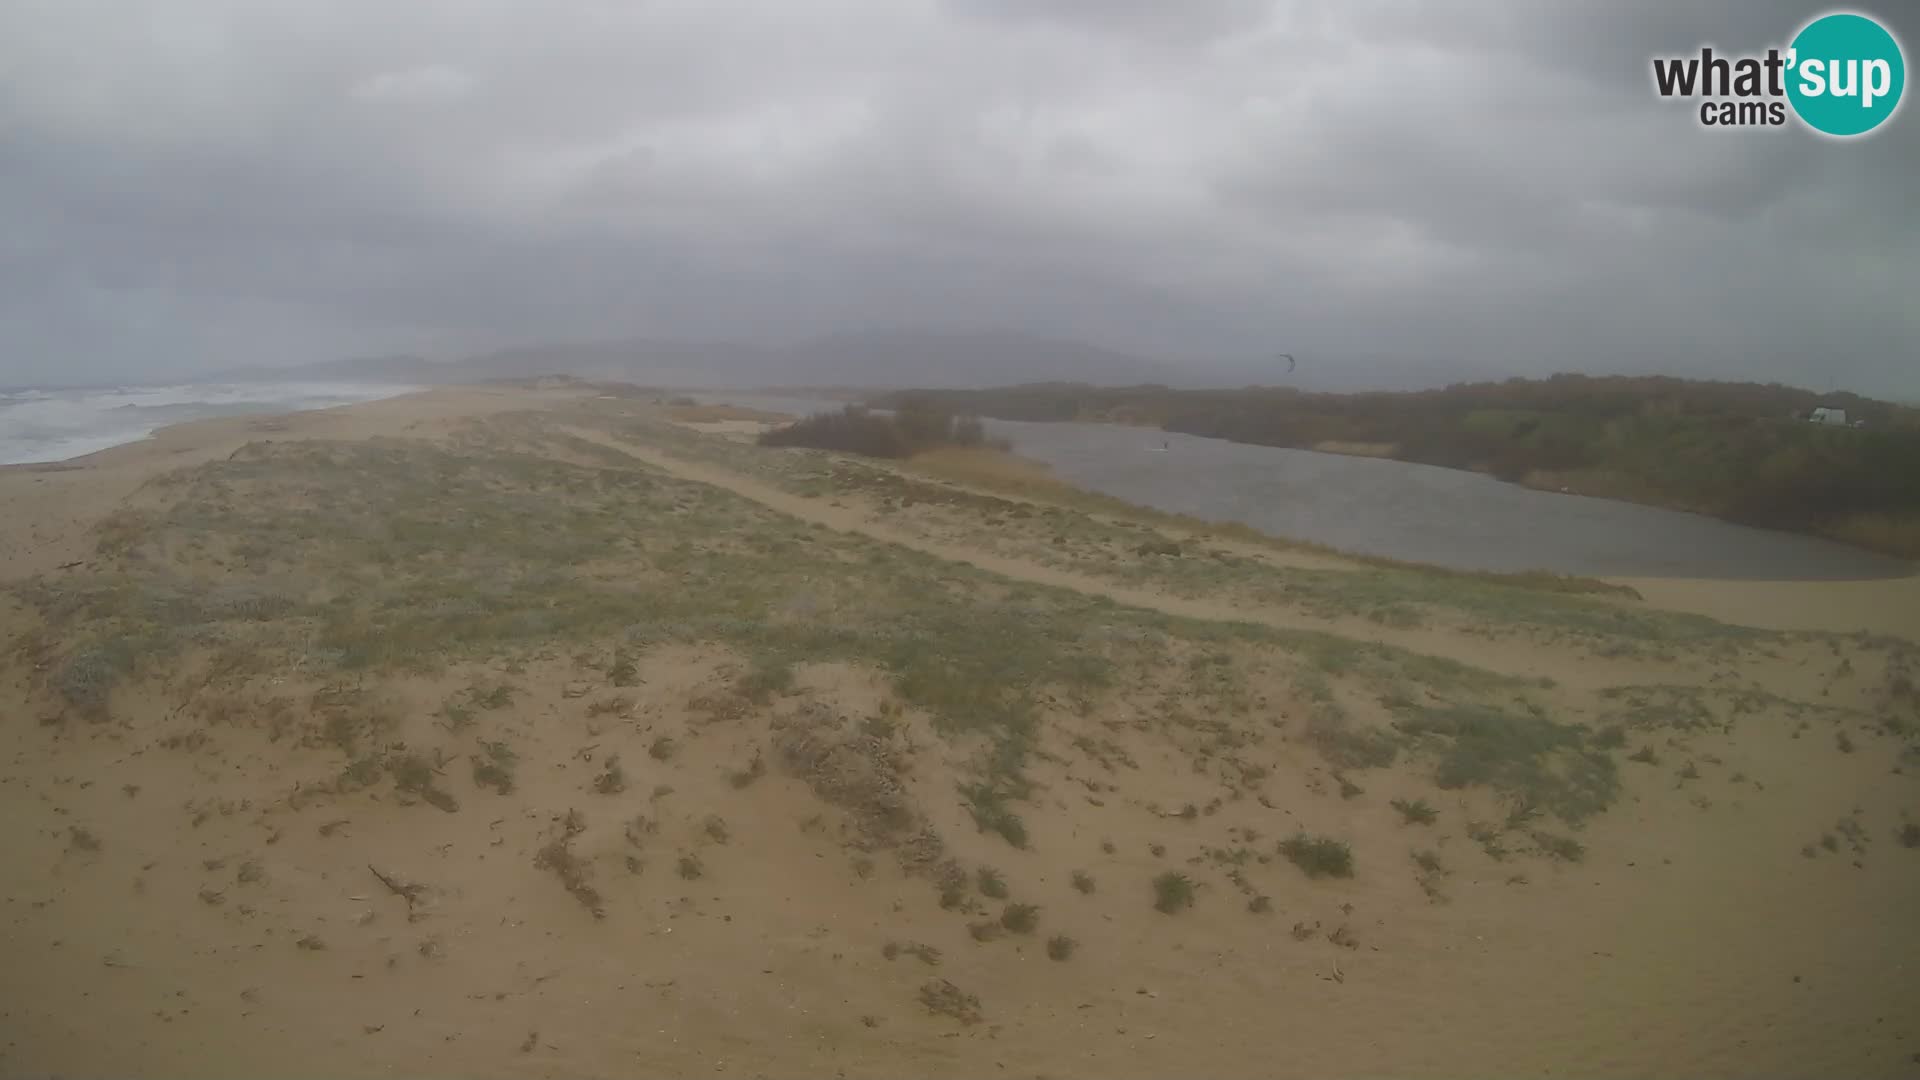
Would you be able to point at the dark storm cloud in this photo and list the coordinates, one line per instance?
(1148, 20)
(1427, 188)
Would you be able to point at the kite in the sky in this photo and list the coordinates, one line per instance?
(1288, 357)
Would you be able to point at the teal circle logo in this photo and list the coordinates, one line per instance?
(1845, 74)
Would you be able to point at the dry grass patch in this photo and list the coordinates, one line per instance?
(942, 998)
(557, 856)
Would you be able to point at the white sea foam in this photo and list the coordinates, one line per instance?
(54, 425)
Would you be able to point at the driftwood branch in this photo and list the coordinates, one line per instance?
(408, 892)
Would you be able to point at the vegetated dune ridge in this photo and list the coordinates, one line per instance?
(509, 732)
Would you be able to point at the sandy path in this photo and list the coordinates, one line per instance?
(1508, 657)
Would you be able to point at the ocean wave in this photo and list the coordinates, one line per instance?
(38, 425)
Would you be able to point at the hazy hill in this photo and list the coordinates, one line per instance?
(874, 358)
(902, 358)
(398, 369)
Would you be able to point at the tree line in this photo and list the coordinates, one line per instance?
(913, 425)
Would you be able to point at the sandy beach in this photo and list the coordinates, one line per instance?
(514, 732)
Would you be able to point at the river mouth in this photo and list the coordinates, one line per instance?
(1400, 510)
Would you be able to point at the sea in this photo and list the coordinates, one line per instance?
(44, 425)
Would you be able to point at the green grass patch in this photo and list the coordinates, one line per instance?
(1560, 847)
(1172, 892)
(1020, 918)
(992, 813)
(1416, 812)
(992, 885)
(1528, 758)
(1318, 856)
(764, 679)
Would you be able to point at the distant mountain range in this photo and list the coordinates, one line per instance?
(374, 369)
(878, 359)
(881, 360)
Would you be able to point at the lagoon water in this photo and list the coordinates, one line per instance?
(1405, 511)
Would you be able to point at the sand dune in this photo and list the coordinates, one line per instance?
(512, 732)
(1840, 607)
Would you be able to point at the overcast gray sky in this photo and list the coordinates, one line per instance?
(203, 183)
